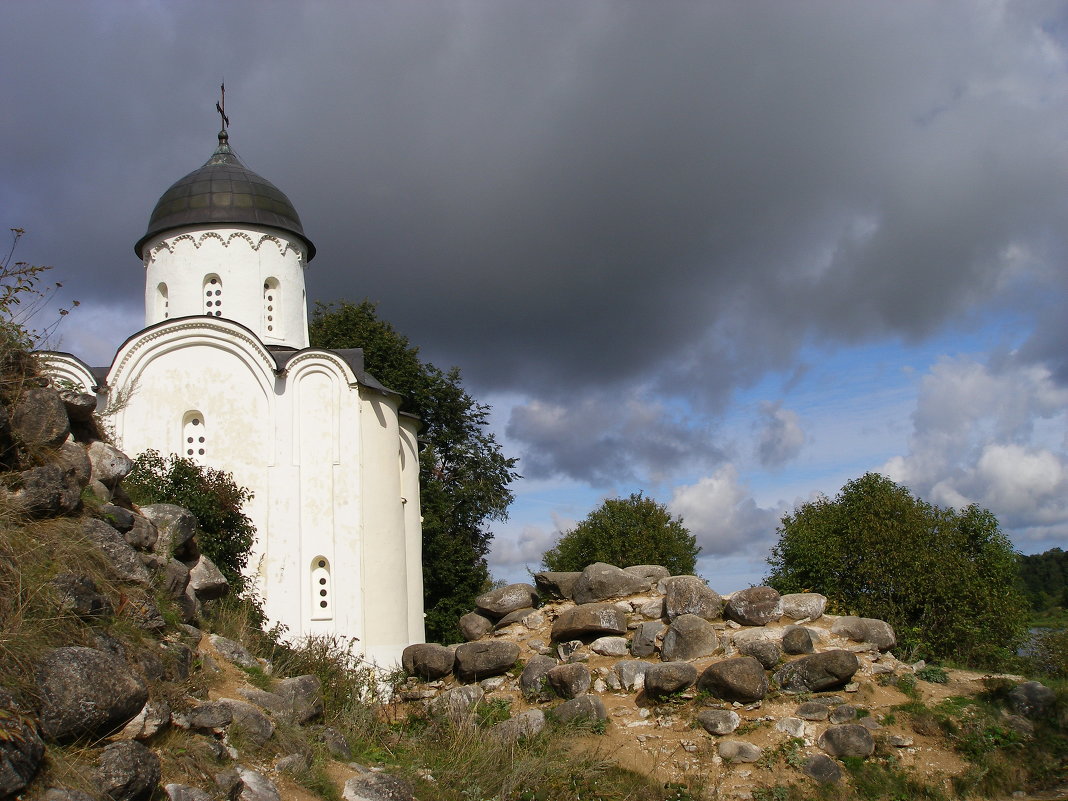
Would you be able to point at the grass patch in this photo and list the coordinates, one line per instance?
(874, 780)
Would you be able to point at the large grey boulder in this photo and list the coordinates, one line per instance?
(718, 721)
(475, 626)
(532, 682)
(175, 528)
(603, 582)
(569, 681)
(39, 419)
(866, 629)
(668, 678)
(517, 616)
(497, 603)
(804, 605)
(798, 640)
(587, 619)
(183, 792)
(110, 465)
(480, 660)
(822, 768)
(755, 606)
(86, 692)
(233, 651)
(303, 696)
(525, 724)
(248, 722)
(813, 710)
(50, 490)
(644, 640)
(585, 707)
(739, 679)
(610, 646)
(377, 787)
(459, 702)
(123, 558)
(127, 771)
(254, 786)
(141, 534)
(80, 595)
(428, 661)
(766, 652)
(557, 584)
(74, 461)
(1032, 699)
(206, 580)
(653, 574)
(79, 406)
(739, 751)
(689, 595)
(827, 670)
(847, 740)
(688, 637)
(21, 750)
(631, 673)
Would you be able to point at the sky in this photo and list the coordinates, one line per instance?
(731, 255)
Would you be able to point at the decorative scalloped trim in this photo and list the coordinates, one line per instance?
(326, 356)
(282, 245)
(201, 324)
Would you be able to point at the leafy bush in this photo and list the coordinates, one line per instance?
(944, 579)
(225, 533)
(626, 531)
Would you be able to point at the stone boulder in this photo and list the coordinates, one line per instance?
(519, 727)
(569, 681)
(175, 529)
(249, 722)
(518, 616)
(739, 679)
(254, 786)
(1032, 699)
(644, 640)
(739, 751)
(755, 606)
(475, 626)
(532, 682)
(86, 692)
(766, 652)
(813, 710)
(127, 771)
(804, 605)
(110, 465)
(80, 595)
(428, 661)
(631, 673)
(866, 629)
(497, 603)
(39, 419)
(688, 637)
(303, 697)
(610, 646)
(798, 640)
(689, 595)
(123, 558)
(668, 678)
(827, 670)
(603, 582)
(50, 490)
(21, 750)
(589, 619)
(206, 580)
(585, 707)
(459, 702)
(847, 740)
(822, 768)
(479, 660)
(183, 792)
(377, 787)
(557, 584)
(718, 721)
(79, 406)
(651, 573)
(233, 651)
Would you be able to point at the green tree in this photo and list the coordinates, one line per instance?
(464, 477)
(225, 533)
(944, 579)
(626, 531)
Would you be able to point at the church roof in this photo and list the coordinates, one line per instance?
(224, 191)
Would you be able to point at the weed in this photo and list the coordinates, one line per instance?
(933, 674)
(776, 792)
(496, 710)
(791, 751)
(883, 779)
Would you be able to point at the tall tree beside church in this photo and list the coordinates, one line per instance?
(463, 476)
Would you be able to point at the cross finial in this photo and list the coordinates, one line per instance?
(221, 106)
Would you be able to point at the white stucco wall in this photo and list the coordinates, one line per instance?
(181, 264)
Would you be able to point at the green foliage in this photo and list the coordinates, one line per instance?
(882, 779)
(933, 674)
(1049, 654)
(945, 580)
(1044, 579)
(626, 531)
(463, 475)
(225, 533)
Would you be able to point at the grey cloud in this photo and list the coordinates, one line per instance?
(568, 197)
(781, 436)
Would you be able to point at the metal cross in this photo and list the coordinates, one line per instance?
(221, 107)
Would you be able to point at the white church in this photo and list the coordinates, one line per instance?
(222, 374)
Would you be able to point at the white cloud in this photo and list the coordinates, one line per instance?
(720, 511)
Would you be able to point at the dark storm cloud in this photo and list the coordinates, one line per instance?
(566, 198)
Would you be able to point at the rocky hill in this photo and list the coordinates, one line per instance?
(113, 684)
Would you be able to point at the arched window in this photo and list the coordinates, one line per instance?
(322, 606)
(272, 304)
(194, 436)
(163, 302)
(213, 295)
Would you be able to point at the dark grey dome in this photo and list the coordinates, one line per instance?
(224, 191)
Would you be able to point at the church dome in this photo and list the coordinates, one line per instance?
(224, 192)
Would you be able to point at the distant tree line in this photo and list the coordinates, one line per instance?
(1044, 579)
